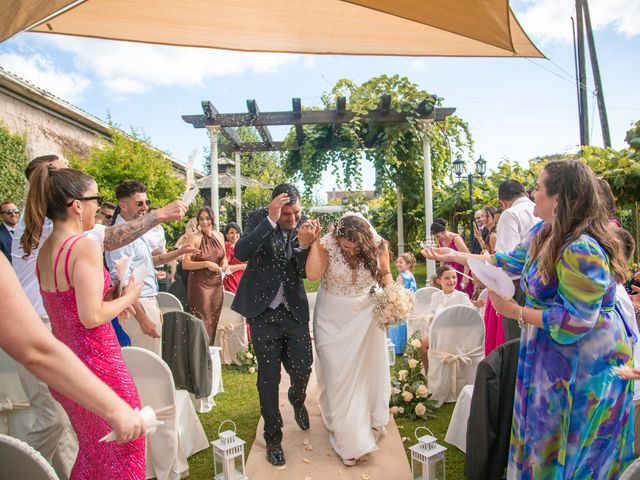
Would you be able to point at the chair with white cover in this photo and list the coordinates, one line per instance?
(457, 431)
(169, 303)
(417, 318)
(20, 461)
(182, 434)
(231, 334)
(16, 416)
(484, 295)
(456, 346)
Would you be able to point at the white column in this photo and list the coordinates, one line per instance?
(214, 132)
(238, 191)
(400, 221)
(428, 190)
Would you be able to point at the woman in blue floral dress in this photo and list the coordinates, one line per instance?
(571, 417)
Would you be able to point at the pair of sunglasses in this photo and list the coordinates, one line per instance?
(97, 198)
(8, 212)
(140, 203)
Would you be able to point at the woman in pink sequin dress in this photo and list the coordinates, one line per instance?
(74, 287)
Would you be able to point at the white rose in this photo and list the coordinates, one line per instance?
(420, 409)
(415, 343)
(392, 297)
(252, 370)
(413, 363)
(400, 410)
(249, 355)
(396, 391)
(394, 410)
(422, 391)
(403, 374)
(407, 396)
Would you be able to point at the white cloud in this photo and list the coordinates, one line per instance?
(133, 68)
(550, 20)
(42, 72)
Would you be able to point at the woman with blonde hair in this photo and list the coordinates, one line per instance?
(75, 291)
(571, 416)
(352, 367)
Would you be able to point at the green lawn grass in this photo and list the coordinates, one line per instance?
(239, 402)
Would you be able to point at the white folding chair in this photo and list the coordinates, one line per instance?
(417, 317)
(16, 416)
(20, 461)
(456, 346)
(169, 303)
(231, 334)
(457, 431)
(182, 434)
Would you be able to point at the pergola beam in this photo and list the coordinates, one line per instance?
(383, 109)
(211, 115)
(297, 115)
(253, 147)
(254, 113)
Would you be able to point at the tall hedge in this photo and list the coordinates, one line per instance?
(13, 161)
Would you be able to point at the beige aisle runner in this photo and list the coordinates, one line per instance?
(309, 454)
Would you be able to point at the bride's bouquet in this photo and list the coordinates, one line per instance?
(392, 305)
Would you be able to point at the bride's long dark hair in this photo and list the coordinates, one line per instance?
(357, 230)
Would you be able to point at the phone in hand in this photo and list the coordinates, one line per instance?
(629, 284)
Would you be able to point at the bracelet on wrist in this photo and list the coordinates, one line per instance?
(521, 322)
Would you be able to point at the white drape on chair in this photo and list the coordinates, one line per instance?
(182, 434)
(418, 319)
(457, 431)
(16, 417)
(20, 461)
(456, 346)
(231, 334)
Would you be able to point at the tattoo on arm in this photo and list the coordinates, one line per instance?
(117, 236)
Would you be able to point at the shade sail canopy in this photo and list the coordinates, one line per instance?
(364, 27)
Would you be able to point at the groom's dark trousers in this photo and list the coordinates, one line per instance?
(278, 317)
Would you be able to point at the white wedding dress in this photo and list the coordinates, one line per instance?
(351, 362)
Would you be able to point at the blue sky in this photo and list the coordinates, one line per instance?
(517, 108)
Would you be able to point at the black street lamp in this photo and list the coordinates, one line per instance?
(481, 169)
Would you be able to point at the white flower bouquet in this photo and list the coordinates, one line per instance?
(392, 305)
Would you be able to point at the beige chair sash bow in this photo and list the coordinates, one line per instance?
(466, 358)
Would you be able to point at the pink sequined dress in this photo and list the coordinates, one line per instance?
(98, 348)
(459, 268)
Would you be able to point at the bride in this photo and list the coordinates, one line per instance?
(352, 367)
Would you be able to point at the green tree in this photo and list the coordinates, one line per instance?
(130, 157)
(395, 150)
(13, 161)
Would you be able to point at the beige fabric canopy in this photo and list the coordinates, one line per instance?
(362, 27)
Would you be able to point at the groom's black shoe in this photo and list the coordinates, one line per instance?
(275, 455)
(302, 417)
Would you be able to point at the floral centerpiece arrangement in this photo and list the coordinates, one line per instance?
(392, 305)
(410, 396)
(248, 361)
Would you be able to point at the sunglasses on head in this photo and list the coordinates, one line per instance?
(97, 198)
(140, 203)
(9, 212)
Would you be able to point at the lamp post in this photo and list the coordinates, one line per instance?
(481, 169)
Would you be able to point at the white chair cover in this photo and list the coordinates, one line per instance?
(20, 461)
(418, 319)
(169, 303)
(206, 404)
(457, 431)
(182, 434)
(16, 417)
(456, 346)
(231, 334)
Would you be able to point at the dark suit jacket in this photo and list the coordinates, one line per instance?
(264, 250)
(5, 241)
(185, 348)
(489, 426)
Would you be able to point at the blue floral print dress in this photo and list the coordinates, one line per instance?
(572, 419)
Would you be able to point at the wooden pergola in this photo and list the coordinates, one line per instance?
(224, 124)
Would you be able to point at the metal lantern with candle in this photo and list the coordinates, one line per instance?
(391, 352)
(427, 458)
(228, 455)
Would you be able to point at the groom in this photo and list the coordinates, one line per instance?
(272, 298)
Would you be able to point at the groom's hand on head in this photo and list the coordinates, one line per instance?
(275, 207)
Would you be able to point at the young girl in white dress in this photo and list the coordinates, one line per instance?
(351, 362)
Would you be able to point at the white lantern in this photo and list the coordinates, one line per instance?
(427, 458)
(228, 455)
(391, 352)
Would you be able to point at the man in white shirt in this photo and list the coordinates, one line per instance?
(51, 433)
(515, 221)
